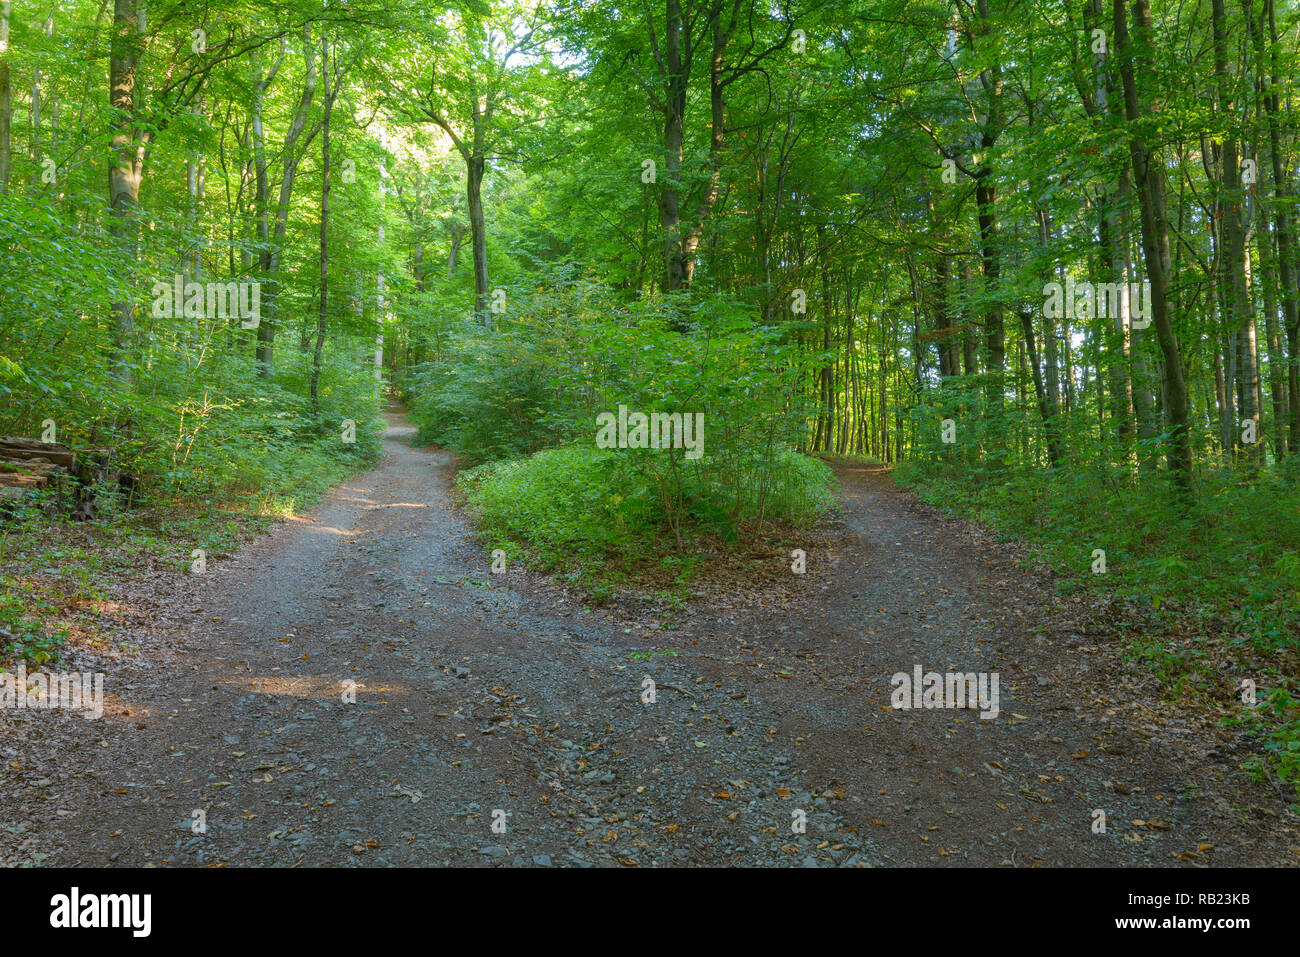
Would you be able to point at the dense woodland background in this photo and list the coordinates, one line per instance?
(828, 225)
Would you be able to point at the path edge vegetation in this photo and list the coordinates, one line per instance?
(57, 576)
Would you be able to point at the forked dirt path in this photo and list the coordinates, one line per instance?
(478, 693)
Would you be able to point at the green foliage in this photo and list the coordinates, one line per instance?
(1224, 569)
(1231, 559)
(22, 632)
(599, 513)
(1275, 721)
(570, 350)
(566, 503)
(489, 400)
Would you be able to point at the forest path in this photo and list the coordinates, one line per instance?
(478, 693)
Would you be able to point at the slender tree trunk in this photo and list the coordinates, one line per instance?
(1040, 392)
(985, 195)
(6, 101)
(1114, 244)
(478, 237)
(677, 63)
(1049, 397)
(380, 304)
(1225, 345)
(269, 260)
(1284, 207)
(828, 323)
(261, 196)
(944, 324)
(969, 344)
(457, 237)
(986, 211)
(324, 222)
(125, 166)
(1277, 361)
(1149, 176)
(1250, 398)
(1237, 311)
(1221, 394)
(1049, 327)
(722, 34)
(1137, 368)
(885, 448)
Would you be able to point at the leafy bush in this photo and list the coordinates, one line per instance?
(598, 512)
(491, 401)
(570, 504)
(531, 392)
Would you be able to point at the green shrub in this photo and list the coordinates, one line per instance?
(599, 512)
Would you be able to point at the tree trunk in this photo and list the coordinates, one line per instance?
(678, 270)
(1049, 328)
(1114, 251)
(1133, 386)
(994, 335)
(478, 236)
(6, 106)
(1283, 207)
(944, 325)
(269, 260)
(985, 203)
(457, 238)
(380, 304)
(1272, 334)
(1149, 178)
(969, 345)
(1040, 393)
(1238, 315)
(125, 169)
(324, 222)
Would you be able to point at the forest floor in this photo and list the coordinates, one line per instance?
(478, 693)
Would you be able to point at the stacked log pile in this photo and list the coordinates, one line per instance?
(72, 479)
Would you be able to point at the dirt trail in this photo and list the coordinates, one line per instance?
(477, 693)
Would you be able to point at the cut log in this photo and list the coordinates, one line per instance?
(74, 478)
(17, 447)
(14, 486)
(18, 480)
(29, 467)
